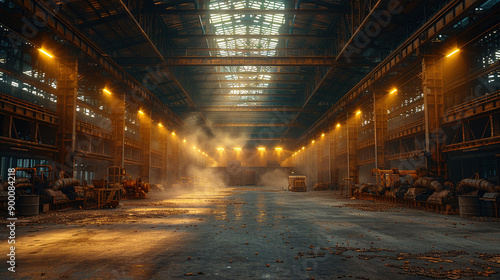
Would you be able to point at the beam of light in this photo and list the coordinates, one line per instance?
(106, 91)
(46, 53)
(237, 149)
(278, 149)
(452, 53)
(261, 149)
(393, 91)
(220, 149)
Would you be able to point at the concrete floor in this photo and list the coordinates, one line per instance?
(253, 233)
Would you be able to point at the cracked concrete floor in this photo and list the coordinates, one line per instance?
(253, 233)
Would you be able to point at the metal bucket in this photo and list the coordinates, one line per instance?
(469, 206)
(27, 205)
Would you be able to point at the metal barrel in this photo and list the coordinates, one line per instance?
(27, 205)
(469, 206)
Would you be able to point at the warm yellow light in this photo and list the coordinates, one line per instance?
(202, 153)
(237, 149)
(206, 155)
(106, 91)
(184, 140)
(46, 53)
(338, 125)
(199, 150)
(452, 53)
(220, 149)
(173, 133)
(322, 135)
(194, 147)
(160, 125)
(312, 142)
(303, 148)
(393, 91)
(261, 149)
(358, 112)
(141, 112)
(278, 149)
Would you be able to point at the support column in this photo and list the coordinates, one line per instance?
(380, 128)
(352, 151)
(118, 127)
(432, 85)
(145, 129)
(334, 174)
(175, 158)
(164, 156)
(67, 85)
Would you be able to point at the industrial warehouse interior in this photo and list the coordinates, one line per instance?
(250, 139)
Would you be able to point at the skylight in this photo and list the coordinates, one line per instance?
(237, 24)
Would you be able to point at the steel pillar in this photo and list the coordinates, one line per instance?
(352, 151)
(118, 130)
(380, 128)
(432, 85)
(67, 85)
(145, 129)
(164, 156)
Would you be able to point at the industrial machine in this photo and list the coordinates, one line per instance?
(320, 187)
(297, 183)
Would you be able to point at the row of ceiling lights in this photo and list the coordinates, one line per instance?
(393, 91)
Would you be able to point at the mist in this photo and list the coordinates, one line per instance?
(277, 178)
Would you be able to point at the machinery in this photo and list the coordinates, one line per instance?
(297, 183)
(390, 180)
(135, 188)
(320, 187)
(184, 183)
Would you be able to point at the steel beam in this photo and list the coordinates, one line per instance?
(249, 124)
(66, 112)
(250, 88)
(245, 73)
(265, 139)
(246, 95)
(184, 12)
(249, 108)
(253, 81)
(233, 61)
(253, 36)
